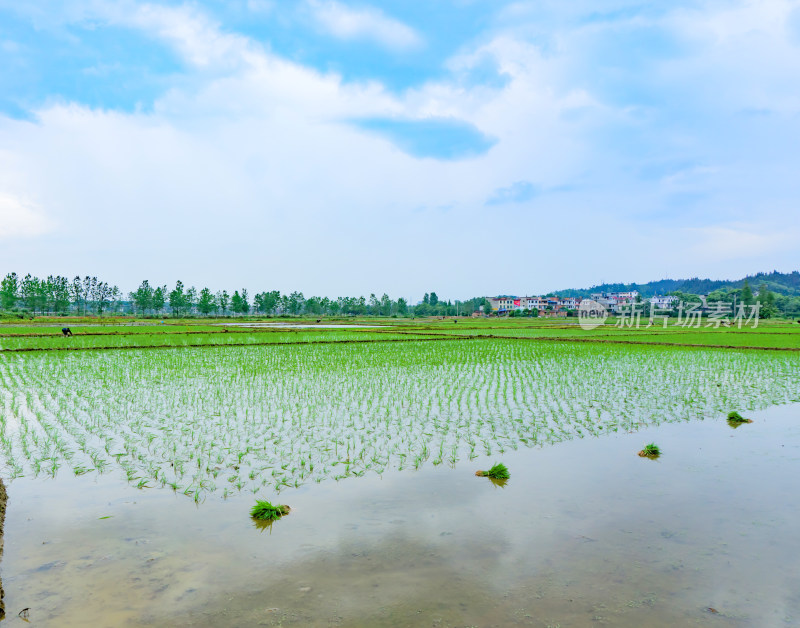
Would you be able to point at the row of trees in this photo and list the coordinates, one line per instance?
(88, 295)
(771, 304)
(59, 295)
(182, 302)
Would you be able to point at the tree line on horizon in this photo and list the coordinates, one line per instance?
(59, 295)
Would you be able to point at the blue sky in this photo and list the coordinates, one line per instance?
(340, 147)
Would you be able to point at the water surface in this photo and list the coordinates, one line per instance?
(584, 533)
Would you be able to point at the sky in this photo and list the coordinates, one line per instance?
(467, 147)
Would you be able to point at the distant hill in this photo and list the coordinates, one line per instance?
(781, 283)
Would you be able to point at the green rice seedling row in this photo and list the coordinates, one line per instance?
(183, 339)
(232, 419)
(769, 338)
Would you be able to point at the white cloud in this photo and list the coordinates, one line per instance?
(721, 243)
(249, 162)
(743, 55)
(261, 6)
(197, 38)
(365, 23)
(10, 46)
(21, 219)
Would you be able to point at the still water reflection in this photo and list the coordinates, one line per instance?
(584, 533)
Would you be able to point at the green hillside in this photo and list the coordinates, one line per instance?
(787, 284)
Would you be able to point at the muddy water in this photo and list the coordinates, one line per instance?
(584, 533)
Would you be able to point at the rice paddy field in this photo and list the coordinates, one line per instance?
(133, 455)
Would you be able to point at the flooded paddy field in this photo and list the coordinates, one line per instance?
(256, 325)
(174, 339)
(584, 533)
(131, 475)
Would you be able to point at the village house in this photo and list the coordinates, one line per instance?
(504, 304)
(614, 302)
(663, 303)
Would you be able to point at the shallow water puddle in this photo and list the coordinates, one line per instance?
(584, 533)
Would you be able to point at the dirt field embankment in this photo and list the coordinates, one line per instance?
(3, 500)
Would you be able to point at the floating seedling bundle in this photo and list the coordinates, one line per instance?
(650, 451)
(266, 511)
(498, 472)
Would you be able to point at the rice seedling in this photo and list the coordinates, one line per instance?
(498, 472)
(650, 450)
(232, 419)
(192, 338)
(266, 511)
(736, 418)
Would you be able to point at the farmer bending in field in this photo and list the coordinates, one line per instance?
(66, 331)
